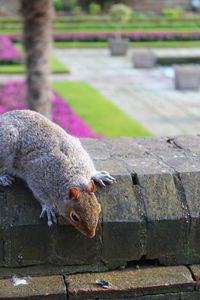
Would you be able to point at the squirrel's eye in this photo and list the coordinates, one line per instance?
(74, 217)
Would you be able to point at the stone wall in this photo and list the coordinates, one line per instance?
(152, 212)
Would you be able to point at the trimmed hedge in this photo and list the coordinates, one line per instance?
(105, 22)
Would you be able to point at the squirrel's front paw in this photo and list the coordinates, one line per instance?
(6, 180)
(103, 177)
(51, 217)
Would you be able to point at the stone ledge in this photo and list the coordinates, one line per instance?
(141, 283)
(131, 283)
(152, 212)
(52, 287)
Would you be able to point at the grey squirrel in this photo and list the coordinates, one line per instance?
(54, 165)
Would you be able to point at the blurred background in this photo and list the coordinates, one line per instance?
(114, 68)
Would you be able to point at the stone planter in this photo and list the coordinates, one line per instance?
(144, 59)
(187, 77)
(118, 46)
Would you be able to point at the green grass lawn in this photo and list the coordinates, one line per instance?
(54, 64)
(105, 28)
(150, 44)
(103, 116)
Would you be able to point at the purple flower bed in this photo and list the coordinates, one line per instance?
(12, 97)
(133, 36)
(8, 52)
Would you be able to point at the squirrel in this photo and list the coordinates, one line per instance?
(54, 165)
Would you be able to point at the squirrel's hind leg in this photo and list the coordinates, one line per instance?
(51, 217)
(6, 180)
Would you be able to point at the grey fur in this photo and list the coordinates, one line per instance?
(48, 159)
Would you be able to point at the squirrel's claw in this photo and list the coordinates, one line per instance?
(103, 177)
(51, 217)
(6, 180)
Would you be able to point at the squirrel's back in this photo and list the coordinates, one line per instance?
(35, 129)
(30, 134)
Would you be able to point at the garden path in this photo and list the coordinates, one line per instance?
(148, 96)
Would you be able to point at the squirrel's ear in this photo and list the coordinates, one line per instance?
(91, 186)
(74, 193)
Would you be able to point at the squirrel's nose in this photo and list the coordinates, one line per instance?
(91, 233)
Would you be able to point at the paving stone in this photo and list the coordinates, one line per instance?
(195, 269)
(50, 287)
(152, 297)
(131, 283)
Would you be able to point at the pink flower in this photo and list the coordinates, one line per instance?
(12, 96)
(8, 52)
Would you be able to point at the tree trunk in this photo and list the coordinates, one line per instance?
(37, 17)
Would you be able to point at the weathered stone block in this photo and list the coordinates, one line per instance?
(118, 46)
(187, 77)
(70, 247)
(188, 143)
(150, 297)
(132, 283)
(166, 228)
(48, 288)
(122, 224)
(144, 59)
(190, 296)
(2, 250)
(158, 146)
(123, 148)
(99, 153)
(190, 182)
(18, 207)
(26, 245)
(163, 208)
(195, 269)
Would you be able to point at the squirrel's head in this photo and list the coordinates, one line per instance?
(82, 209)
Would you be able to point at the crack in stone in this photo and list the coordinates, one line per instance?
(171, 141)
(137, 188)
(185, 209)
(66, 286)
